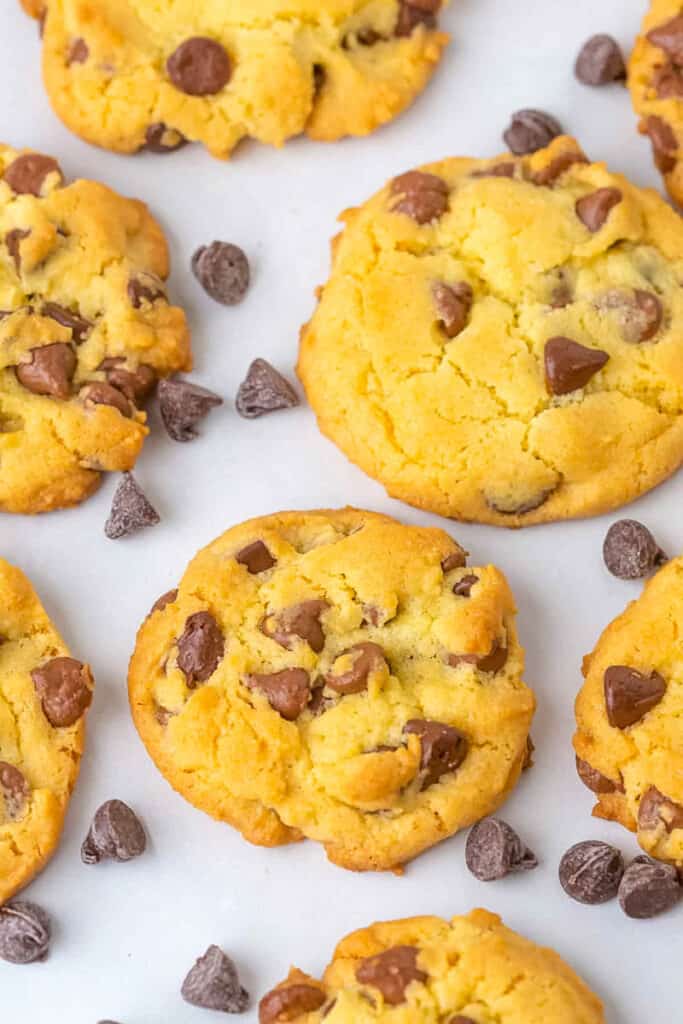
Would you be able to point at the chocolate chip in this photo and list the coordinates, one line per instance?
(289, 1002)
(288, 692)
(590, 872)
(664, 143)
(593, 779)
(453, 304)
(115, 834)
(50, 371)
(168, 598)
(301, 620)
(656, 810)
(200, 648)
(669, 37)
(416, 12)
(630, 551)
(494, 850)
(14, 789)
(648, 888)
(159, 138)
(593, 209)
(13, 240)
(256, 557)
(549, 174)
(629, 695)
(80, 327)
(183, 405)
(136, 384)
(640, 313)
(64, 687)
(511, 506)
(463, 587)
(530, 130)
(223, 272)
(78, 52)
(422, 196)
(528, 761)
(569, 366)
(130, 510)
(145, 288)
(366, 658)
(668, 81)
(491, 662)
(27, 174)
(502, 170)
(443, 748)
(213, 984)
(264, 390)
(600, 61)
(199, 67)
(391, 972)
(24, 932)
(454, 560)
(99, 393)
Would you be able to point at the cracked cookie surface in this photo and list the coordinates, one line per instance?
(128, 74)
(44, 694)
(299, 683)
(426, 970)
(502, 341)
(85, 331)
(629, 714)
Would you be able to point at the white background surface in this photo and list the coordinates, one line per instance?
(125, 935)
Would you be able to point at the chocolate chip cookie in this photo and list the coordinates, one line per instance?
(502, 340)
(137, 75)
(85, 331)
(44, 694)
(629, 738)
(425, 970)
(300, 683)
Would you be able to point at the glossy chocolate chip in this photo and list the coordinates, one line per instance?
(590, 872)
(183, 405)
(366, 658)
(454, 560)
(453, 304)
(200, 648)
(116, 834)
(27, 174)
(130, 510)
(494, 661)
(145, 288)
(13, 240)
(656, 810)
(463, 587)
(630, 551)
(64, 687)
(391, 972)
(648, 888)
(600, 61)
(159, 138)
(50, 370)
(664, 143)
(530, 130)
(569, 365)
(300, 620)
(136, 384)
(629, 694)
(80, 327)
(593, 779)
(422, 196)
(264, 390)
(548, 175)
(213, 983)
(288, 692)
(14, 789)
(168, 598)
(494, 850)
(416, 12)
(78, 52)
(594, 209)
(669, 37)
(222, 270)
(99, 393)
(289, 1003)
(256, 557)
(199, 67)
(443, 748)
(24, 932)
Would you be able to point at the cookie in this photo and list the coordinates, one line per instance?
(425, 970)
(502, 340)
(44, 694)
(85, 331)
(629, 738)
(140, 75)
(655, 80)
(299, 683)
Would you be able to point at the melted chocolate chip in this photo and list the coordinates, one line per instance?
(548, 175)
(145, 288)
(115, 834)
(444, 748)
(668, 81)
(590, 872)
(183, 405)
(391, 972)
(656, 810)
(453, 304)
(416, 12)
(80, 327)
(530, 130)
(491, 662)
(199, 67)
(24, 932)
(503, 170)
(511, 506)
(569, 366)
(99, 393)
(64, 687)
(600, 61)
(256, 557)
(136, 384)
(213, 983)
(463, 587)
(288, 692)
(422, 196)
(159, 138)
(301, 620)
(130, 510)
(648, 888)
(264, 390)
(50, 370)
(78, 52)
(629, 695)
(289, 1002)
(222, 270)
(13, 240)
(366, 658)
(630, 551)
(593, 779)
(594, 209)
(494, 850)
(669, 37)
(27, 174)
(168, 598)
(14, 789)
(200, 648)
(664, 143)
(454, 560)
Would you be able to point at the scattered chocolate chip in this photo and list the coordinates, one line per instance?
(27, 174)
(24, 932)
(494, 850)
(594, 209)
(444, 748)
(289, 1002)
(549, 174)
(668, 81)
(168, 598)
(199, 67)
(600, 61)
(50, 370)
(530, 130)
(630, 551)
(13, 240)
(130, 510)
(422, 196)
(222, 270)
(99, 393)
(256, 557)
(416, 12)
(366, 658)
(454, 560)
(569, 366)
(301, 620)
(288, 692)
(200, 648)
(78, 52)
(669, 37)
(463, 587)
(264, 390)
(145, 288)
(593, 779)
(656, 810)
(648, 888)
(213, 984)
(391, 972)
(115, 834)
(453, 304)
(80, 327)
(136, 384)
(629, 695)
(590, 872)
(664, 143)
(183, 405)
(491, 662)
(14, 789)
(64, 687)
(159, 138)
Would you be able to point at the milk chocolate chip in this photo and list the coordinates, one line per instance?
(136, 384)
(664, 143)
(600, 61)
(593, 779)
(159, 138)
(569, 366)
(391, 972)
(530, 130)
(594, 209)
(27, 174)
(656, 810)
(301, 620)
(80, 327)
(453, 304)
(463, 587)
(289, 1002)
(13, 240)
(99, 393)
(14, 789)
(669, 37)
(494, 661)
(416, 12)
(64, 687)
(629, 694)
(444, 748)
(50, 370)
(256, 557)
(200, 648)
(199, 67)
(366, 658)
(145, 288)
(288, 692)
(422, 196)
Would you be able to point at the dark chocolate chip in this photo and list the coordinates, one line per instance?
(78, 52)
(594, 209)
(656, 810)
(50, 370)
(26, 175)
(569, 366)
(222, 270)
(99, 393)
(629, 694)
(593, 779)
(669, 37)
(301, 620)
(548, 175)
(213, 984)
(80, 327)
(24, 932)
(159, 138)
(444, 748)
(391, 972)
(64, 687)
(264, 390)
(630, 551)
(130, 510)
(289, 1003)
(463, 587)
(115, 834)
(145, 288)
(491, 662)
(199, 67)
(416, 12)
(200, 648)
(288, 692)
(530, 130)
(422, 196)
(455, 560)
(168, 598)
(600, 61)
(648, 888)
(183, 405)
(453, 304)
(13, 240)
(14, 789)
(256, 557)
(590, 872)
(494, 850)
(664, 143)
(366, 658)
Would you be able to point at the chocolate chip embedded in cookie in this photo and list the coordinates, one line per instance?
(297, 685)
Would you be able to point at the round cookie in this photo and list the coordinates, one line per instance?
(425, 970)
(44, 694)
(85, 331)
(629, 714)
(133, 74)
(502, 341)
(302, 683)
